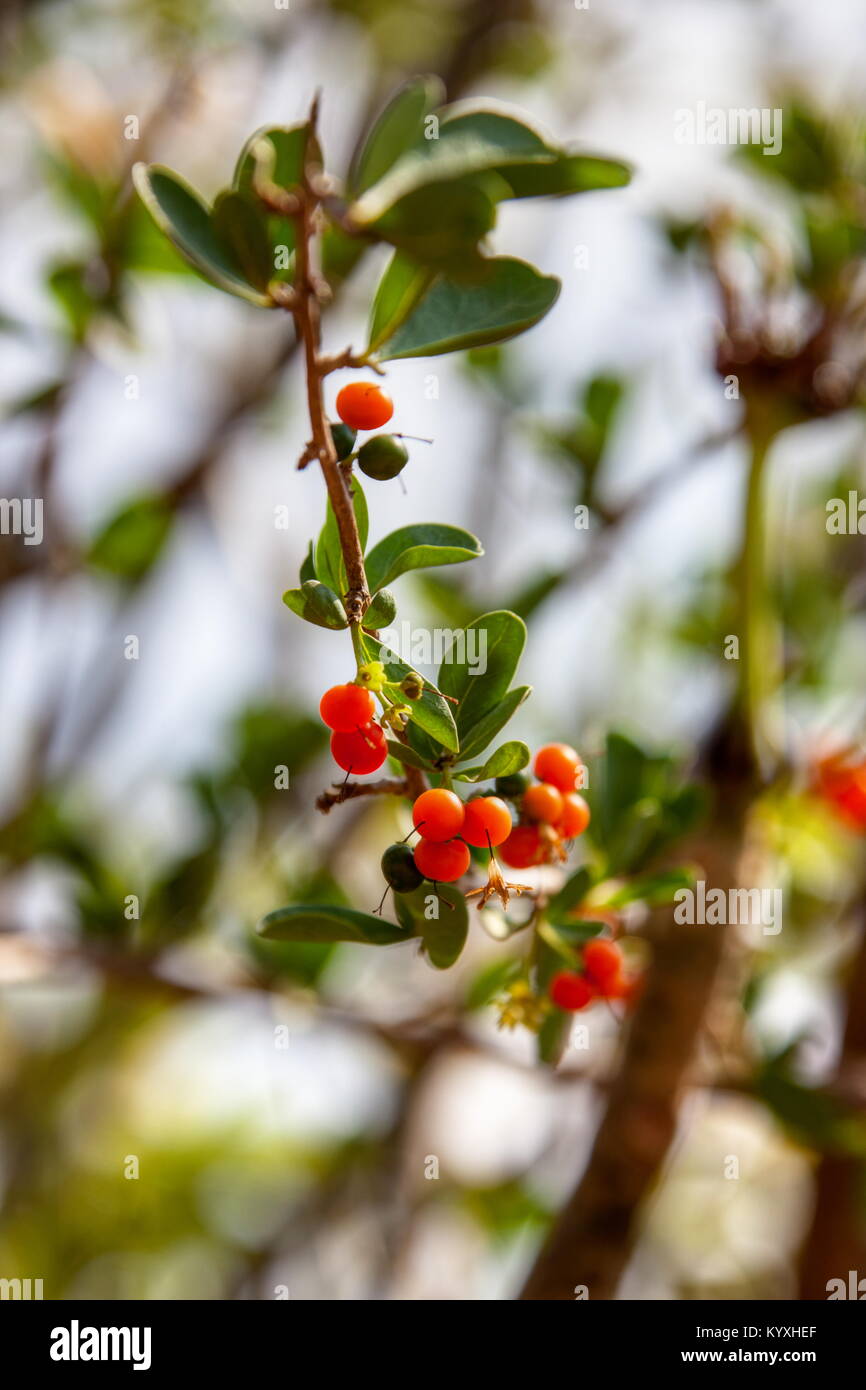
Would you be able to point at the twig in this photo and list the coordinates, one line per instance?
(386, 786)
(304, 306)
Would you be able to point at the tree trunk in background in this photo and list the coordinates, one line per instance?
(593, 1238)
(836, 1242)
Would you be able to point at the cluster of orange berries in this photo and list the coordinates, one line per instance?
(551, 810)
(604, 977)
(357, 740)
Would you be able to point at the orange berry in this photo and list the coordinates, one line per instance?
(439, 813)
(345, 708)
(543, 803)
(602, 961)
(362, 405)
(571, 991)
(487, 822)
(523, 848)
(575, 816)
(559, 764)
(363, 750)
(442, 862)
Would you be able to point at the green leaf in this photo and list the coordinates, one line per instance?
(476, 739)
(403, 284)
(490, 140)
(430, 712)
(399, 126)
(329, 555)
(284, 147)
(491, 981)
(308, 565)
(186, 220)
(508, 758)
(131, 542)
(414, 547)
(285, 162)
(445, 937)
(382, 610)
(316, 603)
(468, 145)
(572, 893)
(241, 229)
(312, 922)
(655, 889)
(440, 226)
(452, 316)
(406, 755)
(477, 668)
(553, 1036)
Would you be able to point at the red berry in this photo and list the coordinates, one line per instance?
(602, 961)
(362, 405)
(543, 803)
(345, 708)
(523, 848)
(439, 812)
(841, 780)
(487, 822)
(571, 991)
(443, 863)
(559, 764)
(575, 816)
(361, 751)
(625, 987)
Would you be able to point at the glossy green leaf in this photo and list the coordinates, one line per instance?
(508, 759)
(476, 739)
(441, 226)
(402, 285)
(406, 755)
(284, 148)
(453, 316)
(572, 892)
(414, 547)
(654, 889)
(478, 666)
(430, 712)
(469, 144)
(323, 923)
(399, 126)
(308, 565)
(382, 611)
(316, 603)
(186, 220)
(241, 228)
(444, 936)
(330, 567)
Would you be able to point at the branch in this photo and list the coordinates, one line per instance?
(386, 786)
(303, 303)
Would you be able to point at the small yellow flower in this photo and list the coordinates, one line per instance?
(521, 1007)
(372, 676)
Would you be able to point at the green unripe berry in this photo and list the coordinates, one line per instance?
(412, 685)
(382, 457)
(400, 870)
(511, 787)
(344, 439)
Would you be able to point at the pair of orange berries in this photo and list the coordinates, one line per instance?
(552, 808)
(603, 978)
(357, 742)
(442, 817)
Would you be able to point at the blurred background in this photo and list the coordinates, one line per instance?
(188, 1113)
